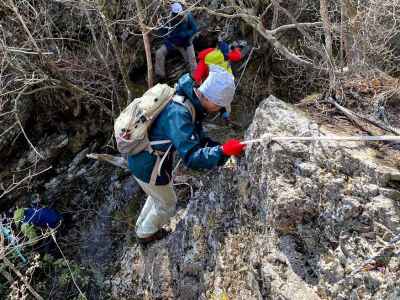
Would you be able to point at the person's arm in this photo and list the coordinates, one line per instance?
(192, 26)
(181, 131)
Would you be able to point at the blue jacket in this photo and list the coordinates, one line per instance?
(180, 35)
(42, 217)
(175, 123)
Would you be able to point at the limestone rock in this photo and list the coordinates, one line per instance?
(288, 221)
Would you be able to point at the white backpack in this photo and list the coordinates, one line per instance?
(132, 125)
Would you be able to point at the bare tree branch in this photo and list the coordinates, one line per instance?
(147, 45)
(10, 265)
(327, 26)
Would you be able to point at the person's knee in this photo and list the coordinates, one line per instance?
(166, 208)
(140, 234)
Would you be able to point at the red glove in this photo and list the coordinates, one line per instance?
(233, 147)
(235, 55)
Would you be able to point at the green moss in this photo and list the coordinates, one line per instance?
(28, 230)
(18, 215)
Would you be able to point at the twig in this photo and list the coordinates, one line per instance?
(69, 268)
(14, 185)
(116, 53)
(110, 76)
(8, 129)
(117, 161)
(9, 49)
(294, 26)
(15, 9)
(54, 69)
(18, 273)
(20, 123)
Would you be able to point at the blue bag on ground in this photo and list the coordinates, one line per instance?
(42, 217)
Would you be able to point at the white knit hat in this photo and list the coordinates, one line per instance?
(219, 87)
(176, 8)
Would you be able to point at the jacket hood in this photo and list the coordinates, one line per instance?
(184, 87)
(203, 53)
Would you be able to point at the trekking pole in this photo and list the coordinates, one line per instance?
(362, 138)
(245, 66)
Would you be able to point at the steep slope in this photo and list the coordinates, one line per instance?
(289, 221)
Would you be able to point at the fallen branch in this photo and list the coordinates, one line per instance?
(357, 116)
(117, 161)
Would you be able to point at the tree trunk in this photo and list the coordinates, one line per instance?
(147, 44)
(327, 26)
(351, 38)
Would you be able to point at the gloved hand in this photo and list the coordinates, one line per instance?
(233, 147)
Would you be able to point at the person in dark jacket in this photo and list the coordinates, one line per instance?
(175, 123)
(178, 37)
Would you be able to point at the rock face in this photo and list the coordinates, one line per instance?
(287, 221)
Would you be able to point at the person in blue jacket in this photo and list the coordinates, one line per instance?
(178, 36)
(176, 123)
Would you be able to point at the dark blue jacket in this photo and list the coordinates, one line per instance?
(180, 35)
(224, 47)
(175, 123)
(42, 217)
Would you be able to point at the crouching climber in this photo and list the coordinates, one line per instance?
(179, 35)
(179, 128)
(221, 55)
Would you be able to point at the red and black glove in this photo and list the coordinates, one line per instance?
(233, 147)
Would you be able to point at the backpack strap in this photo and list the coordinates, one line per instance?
(159, 162)
(162, 156)
(183, 101)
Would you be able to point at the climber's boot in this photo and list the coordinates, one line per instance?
(159, 235)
